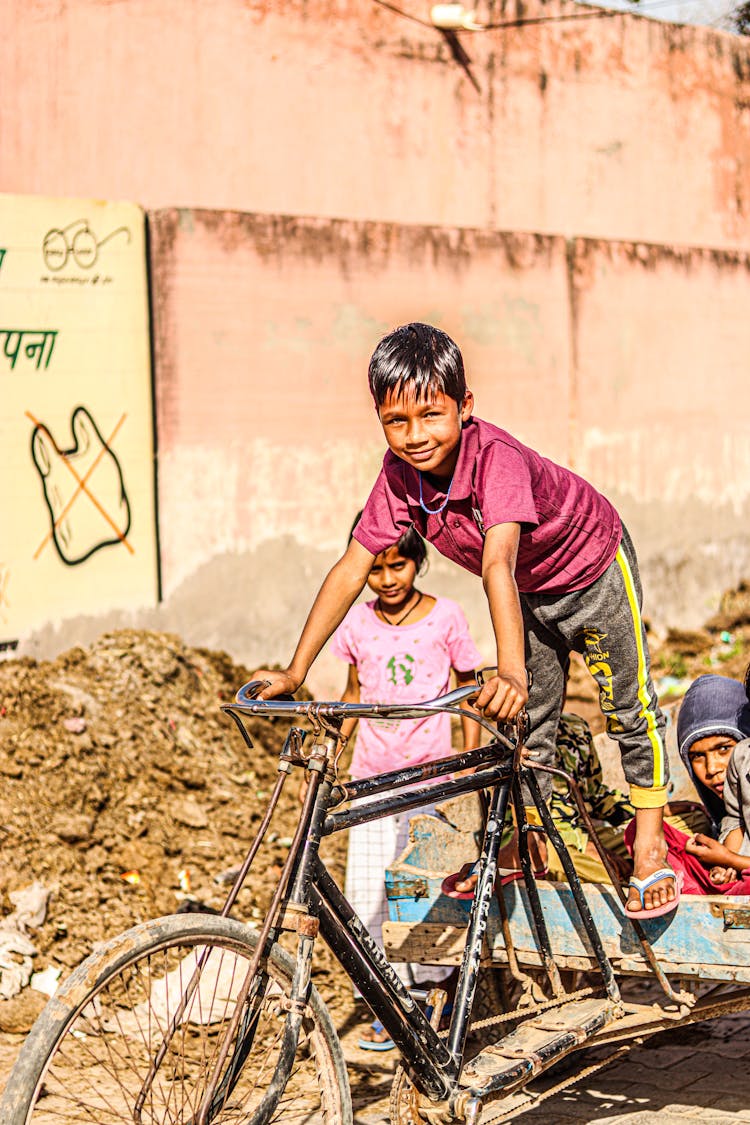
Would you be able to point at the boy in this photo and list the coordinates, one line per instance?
(557, 566)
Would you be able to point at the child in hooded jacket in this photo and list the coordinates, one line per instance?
(712, 735)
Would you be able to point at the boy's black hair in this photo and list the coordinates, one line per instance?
(411, 544)
(418, 360)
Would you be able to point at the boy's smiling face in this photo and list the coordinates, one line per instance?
(425, 434)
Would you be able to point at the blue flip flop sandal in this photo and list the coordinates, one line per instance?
(372, 1044)
(642, 885)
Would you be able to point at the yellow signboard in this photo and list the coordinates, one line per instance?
(78, 526)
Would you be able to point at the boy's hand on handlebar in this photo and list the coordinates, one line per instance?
(502, 697)
(279, 683)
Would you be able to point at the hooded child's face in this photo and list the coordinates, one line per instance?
(709, 758)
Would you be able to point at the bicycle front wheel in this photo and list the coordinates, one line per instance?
(91, 1055)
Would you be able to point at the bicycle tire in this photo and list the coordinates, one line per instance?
(87, 1057)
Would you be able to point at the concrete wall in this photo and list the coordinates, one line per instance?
(268, 440)
(615, 127)
(662, 410)
(625, 361)
(608, 339)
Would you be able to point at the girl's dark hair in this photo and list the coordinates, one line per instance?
(411, 544)
(746, 682)
(417, 360)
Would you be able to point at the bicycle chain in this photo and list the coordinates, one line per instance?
(522, 1013)
(506, 1017)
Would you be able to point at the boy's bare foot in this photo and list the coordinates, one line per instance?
(509, 858)
(650, 856)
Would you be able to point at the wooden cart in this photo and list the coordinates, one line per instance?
(703, 950)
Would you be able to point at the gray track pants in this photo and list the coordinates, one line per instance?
(603, 622)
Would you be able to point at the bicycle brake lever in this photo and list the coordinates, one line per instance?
(250, 691)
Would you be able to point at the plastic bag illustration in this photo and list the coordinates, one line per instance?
(83, 488)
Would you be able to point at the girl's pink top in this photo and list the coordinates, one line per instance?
(404, 664)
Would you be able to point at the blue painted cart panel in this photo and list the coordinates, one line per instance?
(705, 937)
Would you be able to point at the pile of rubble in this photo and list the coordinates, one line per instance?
(127, 793)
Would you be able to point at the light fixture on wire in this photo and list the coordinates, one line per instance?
(454, 17)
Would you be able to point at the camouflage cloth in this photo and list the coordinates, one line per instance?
(576, 754)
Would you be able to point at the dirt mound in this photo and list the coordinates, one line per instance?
(125, 788)
(722, 646)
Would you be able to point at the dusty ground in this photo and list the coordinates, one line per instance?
(116, 760)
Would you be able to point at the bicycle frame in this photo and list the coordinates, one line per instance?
(314, 899)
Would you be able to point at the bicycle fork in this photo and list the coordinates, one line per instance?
(294, 872)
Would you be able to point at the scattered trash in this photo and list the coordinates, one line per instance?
(16, 952)
(30, 908)
(131, 877)
(726, 638)
(76, 724)
(16, 949)
(46, 981)
(183, 879)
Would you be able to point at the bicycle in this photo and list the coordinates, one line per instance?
(200, 1020)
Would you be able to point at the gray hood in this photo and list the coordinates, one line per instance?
(713, 705)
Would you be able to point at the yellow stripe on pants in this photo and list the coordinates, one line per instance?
(647, 711)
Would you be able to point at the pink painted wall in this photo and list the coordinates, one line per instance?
(627, 361)
(268, 441)
(663, 410)
(603, 136)
(619, 127)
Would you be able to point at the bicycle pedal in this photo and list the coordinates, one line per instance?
(537, 1043)
(436, 1001)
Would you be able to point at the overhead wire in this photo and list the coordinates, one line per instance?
(635, 8)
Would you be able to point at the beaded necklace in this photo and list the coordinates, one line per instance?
(433, 511)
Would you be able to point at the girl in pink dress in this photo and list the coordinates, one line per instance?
(401, 648)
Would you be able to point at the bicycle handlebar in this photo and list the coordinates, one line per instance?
(246, 701)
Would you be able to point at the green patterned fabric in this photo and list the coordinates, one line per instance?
(576, 754)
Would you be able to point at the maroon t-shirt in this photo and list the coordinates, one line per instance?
(569, 532)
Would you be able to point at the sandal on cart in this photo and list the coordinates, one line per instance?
(642, 885)
(380, 1041)
(504, 875)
